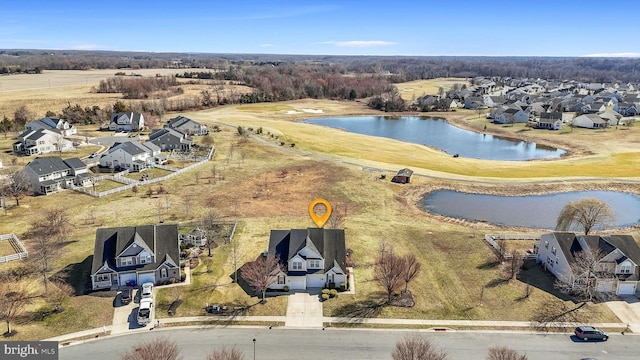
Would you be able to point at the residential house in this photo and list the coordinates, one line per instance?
(170, 139)
(510, 116)
(195, 237)
(612, 117)
(549, 120)
(135, 255)
(187, 126)
(51, 174)
(311, 258)
(41, 141)
(132, 156)
(126, 121)
(64, 126)
(474, 103)
(403, 176)
(617, 262)
(590, 121)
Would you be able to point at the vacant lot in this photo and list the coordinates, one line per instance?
(267, 186)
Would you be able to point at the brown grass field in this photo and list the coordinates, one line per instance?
(341, 167)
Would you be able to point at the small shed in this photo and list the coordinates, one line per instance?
(403, 176)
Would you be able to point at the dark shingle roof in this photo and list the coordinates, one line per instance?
(330, 243)
(47, 165)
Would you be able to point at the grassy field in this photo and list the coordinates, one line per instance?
(267, 186)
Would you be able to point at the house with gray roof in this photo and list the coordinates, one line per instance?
(311, 258)
(549, 120)
(617, 257)
(51, 174)
(187, 126)
(64, 126)
(168, 139)
(134, 255)
(41, 141)
(126, 121)
(133, 156)
(590, 121)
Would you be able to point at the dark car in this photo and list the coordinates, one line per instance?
(126, 295)
(590, 333)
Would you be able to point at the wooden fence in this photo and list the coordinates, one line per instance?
(130, 183)
(21, 251)
(493, 241)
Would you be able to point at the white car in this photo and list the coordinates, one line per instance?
(144, 312)
(146, 291)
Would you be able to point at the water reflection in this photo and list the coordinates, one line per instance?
(438, 133)
(534, 211)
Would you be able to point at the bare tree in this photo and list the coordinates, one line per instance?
(58, 143)
(208, 224)
(45, 251)
(411, 269)
(235, 256)
(13, 300)
(416, 347)
(336, 220)
(511, 268)
(262, 273)
(158, 349)
(389, 272)
(226, 354)
(585, 272)
(554, 311)
(58, 223)
(504, 353)
(16, 186)
(186, 201)
(586, 213)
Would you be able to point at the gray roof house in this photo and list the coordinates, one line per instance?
(41, 141)
(133, 156)
(550, 120)
(49, 175)
(618, 260)
(170, 139)
(186, 126)
(311, 258)
(52, 123)
(135, 255)
(126, 121)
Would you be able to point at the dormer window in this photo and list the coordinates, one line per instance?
(296, 265)
(314, 264)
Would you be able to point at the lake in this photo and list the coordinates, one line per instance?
(438, 133)
(533, 211)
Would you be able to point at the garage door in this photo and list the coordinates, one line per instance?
(315, 281)
(146, 277)
(297, 282)
(626, 289)
(127, 277)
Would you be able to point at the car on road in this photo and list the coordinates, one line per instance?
(146, 291)
(95, 154)
(144, 312)
(590, 333)
(126, 295)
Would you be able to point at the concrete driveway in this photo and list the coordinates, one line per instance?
(304, 311)
(628, 310)
(125, 316)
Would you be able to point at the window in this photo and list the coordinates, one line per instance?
(625, 269)
(280, 279)
(126, 261)
(546, 244)
(553, 250)
(314, 264)
(145, 259)
(163, 273)
(296, 265)
(103, 277)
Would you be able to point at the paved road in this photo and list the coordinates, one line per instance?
(309, 344)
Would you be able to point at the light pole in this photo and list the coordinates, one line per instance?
(254, 349)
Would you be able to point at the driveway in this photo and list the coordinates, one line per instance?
(304, 311)
(628, 310)
(125, 316)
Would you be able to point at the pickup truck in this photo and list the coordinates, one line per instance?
(144, 311)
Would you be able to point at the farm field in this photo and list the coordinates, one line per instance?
(266, 186)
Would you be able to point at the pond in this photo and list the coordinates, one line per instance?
(533, 211)
(438, 133)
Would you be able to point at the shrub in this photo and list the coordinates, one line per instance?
(343, 286)
(325, 291)
(325, 297)
(332, 285)
(333, 292)
(183, 277)
(285, 288)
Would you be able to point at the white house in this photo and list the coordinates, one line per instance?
(311, 258)
(132, 155)
(619, 256)
(41, 141)
(590, 121)
(49, 175)
(186, 126)
(52, 123)
(126, 121)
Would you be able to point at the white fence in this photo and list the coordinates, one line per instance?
(130, 183)
(493, 239)
(21, 251)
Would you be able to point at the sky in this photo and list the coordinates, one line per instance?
(329, 27)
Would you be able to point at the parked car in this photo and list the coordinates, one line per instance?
(590, 333)
(144, 312)
(126, 295)
(93, 155)
(147, 291)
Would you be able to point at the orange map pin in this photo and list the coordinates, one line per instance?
(320, 220)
